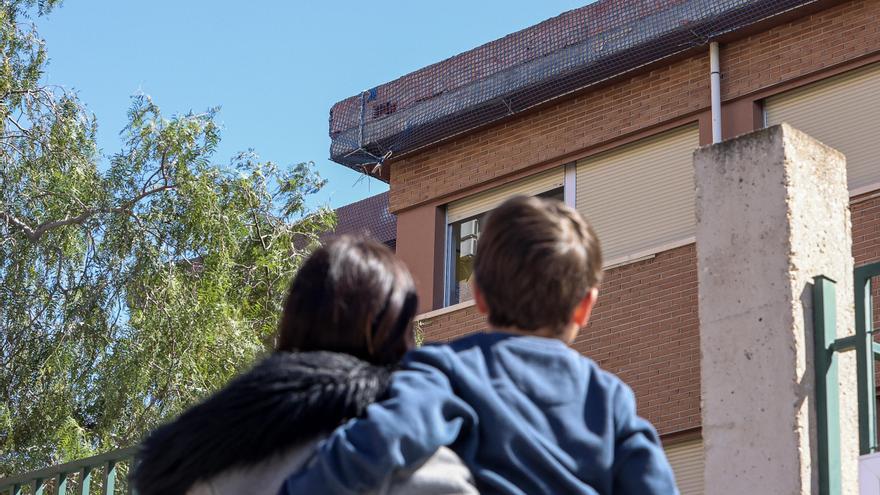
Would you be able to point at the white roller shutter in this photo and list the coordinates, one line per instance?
(686, 459)
(842, 112)
(488, 200)
(640, 196)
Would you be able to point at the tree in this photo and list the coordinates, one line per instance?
(128, 289)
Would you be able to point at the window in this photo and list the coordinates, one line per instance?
(639, 197)
(687, 461)
(841, 112)
(463, 235)
(463, 239)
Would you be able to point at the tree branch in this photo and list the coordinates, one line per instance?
(25, 228)
(24, 131)
(35, 233)
(137, 199)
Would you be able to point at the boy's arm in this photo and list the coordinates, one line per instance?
(421, 415)
(640, 464)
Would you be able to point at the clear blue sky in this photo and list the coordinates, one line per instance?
(274, 67)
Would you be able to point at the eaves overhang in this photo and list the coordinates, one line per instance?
(568, 53)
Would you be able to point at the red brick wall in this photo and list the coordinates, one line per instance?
(644, 329)
(800, 47)
(866, 228)
(791, 50)
(452, 325)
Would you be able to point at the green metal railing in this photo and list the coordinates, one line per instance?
(827, 348)
(867, 351)
(63, 478)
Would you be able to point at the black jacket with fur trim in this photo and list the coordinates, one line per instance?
(284, 401)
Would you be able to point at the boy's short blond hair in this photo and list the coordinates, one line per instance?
(536, 260)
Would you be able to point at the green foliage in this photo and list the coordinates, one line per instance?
(131, 290)
(418, 333)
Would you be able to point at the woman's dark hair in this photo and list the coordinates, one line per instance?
(354, 296)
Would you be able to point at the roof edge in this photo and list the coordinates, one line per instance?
(678, 27)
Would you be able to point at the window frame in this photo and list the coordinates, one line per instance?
(450, 258)
(450, 261)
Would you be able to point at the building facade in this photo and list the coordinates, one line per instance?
(620, 151)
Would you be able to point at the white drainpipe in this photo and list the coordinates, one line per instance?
(715, 81)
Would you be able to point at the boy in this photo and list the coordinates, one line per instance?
(527, 414)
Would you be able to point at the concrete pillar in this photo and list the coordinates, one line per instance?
(772, 212)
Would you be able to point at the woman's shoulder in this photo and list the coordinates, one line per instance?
(444, 473)
(279, 404)
(263, 478)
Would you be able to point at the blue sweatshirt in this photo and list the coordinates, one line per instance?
(527, 415)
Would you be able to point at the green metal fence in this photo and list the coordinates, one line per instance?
(868, 351)
(104, 474)
(827, 348)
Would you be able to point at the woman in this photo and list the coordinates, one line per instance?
(347, 320)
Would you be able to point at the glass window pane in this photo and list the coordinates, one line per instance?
(463, 246)
(464, 243)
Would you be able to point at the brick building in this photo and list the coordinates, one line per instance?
(619, 149)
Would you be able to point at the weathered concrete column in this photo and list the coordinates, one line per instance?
(772, 213)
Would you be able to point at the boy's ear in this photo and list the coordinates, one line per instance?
(480, 301)
(584, 308)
